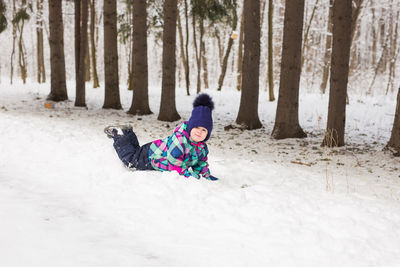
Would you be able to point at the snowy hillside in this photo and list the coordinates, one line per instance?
(66, 200)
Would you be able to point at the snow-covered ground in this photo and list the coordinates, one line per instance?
(66, 200)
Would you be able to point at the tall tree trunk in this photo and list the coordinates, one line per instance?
(305, 39)
(168, 108)
(96, 83)
(270, 74)
(287, 112)
(227, 52)
(394, 141)
(41, 71)
(111, 97)
(14, 34)
(248, 110)
(187, 69)
(182, 45)
(80, 100)
(240, 55)
(22, 53)
(140, 101)
(328, 50)
(204, 58)
(198, 53)
(58, 91)
(339, 73)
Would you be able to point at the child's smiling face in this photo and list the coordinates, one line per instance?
(198, 134)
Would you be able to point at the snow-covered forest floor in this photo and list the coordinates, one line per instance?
(66, 199)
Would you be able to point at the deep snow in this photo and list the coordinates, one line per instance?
(66, 200)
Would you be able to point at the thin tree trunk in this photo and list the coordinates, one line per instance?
(203, 57)
(187, 69)
(393, 53)
(167, 107)
(140, 100)
(248, 110)
(342, 19)
(270, 74)
(287, 112)
(80, 100)
(58, 90)
(240, 55)
(197, 52)
(41, 71)
(227, 52)
(111, 82)
(21, 53)
(220, 48)
(182, 46)
(305, 39)
(96, 83)
(328, 50)
(14, 34)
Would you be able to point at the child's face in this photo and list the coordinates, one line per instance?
(198, 134)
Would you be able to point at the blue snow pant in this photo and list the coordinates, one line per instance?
(131, 154)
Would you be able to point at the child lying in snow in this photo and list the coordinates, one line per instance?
(185, 151)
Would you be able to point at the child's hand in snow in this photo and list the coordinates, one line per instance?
(212, 178)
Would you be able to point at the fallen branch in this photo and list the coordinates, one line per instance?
(300, 163)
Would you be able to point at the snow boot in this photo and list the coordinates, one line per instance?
(117, 130)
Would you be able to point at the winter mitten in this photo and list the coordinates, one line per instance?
(212, 178)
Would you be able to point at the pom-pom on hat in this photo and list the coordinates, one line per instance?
(201, 114)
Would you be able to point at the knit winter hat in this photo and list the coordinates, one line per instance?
(201, 114)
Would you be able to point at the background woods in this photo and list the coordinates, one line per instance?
(202, 45)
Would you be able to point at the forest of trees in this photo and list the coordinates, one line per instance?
(252, 45)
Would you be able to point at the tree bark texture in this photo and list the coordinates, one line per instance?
(111, 97)
(167, 107)
(342, 14)
(140, 101)
(328, 52)
(270, 73)
(96, 83)
(41, 70)
(287, 112)
(58, 91)
(227, 52)
(248, 110)
(80, 100)
(394, 142)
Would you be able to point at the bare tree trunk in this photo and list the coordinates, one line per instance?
(22, 53)
(287, 112)
(227, 52)
(140, 101)
(393, 53)
(394, 142)
(240, 55)
(187, 70)
(57, 61)
(248, 110)
(82, 5)
(111, 81)
(220, 48)
(182, 46)
(167, 107)
(204, 58)
(342, 19)
(14, 34)
(270, 73)
(96, 83)
(305, 39)
(41, 71)
(197, 52)
(328, 52)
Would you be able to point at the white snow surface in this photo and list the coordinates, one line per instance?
(66, 199)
